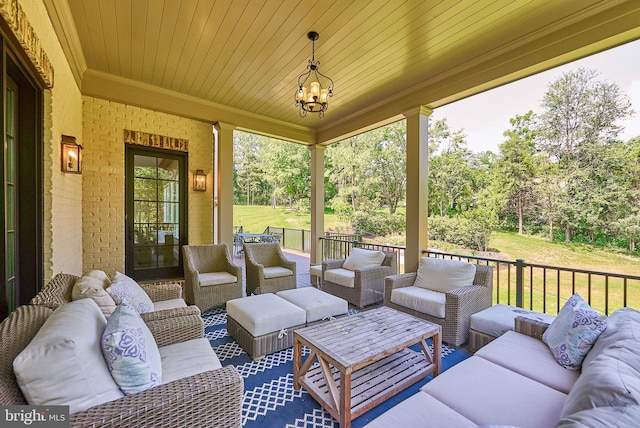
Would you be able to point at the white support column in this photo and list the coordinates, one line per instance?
(417, 185)
(317, 202)
(224, 224)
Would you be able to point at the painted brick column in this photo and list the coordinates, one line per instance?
(224, 223)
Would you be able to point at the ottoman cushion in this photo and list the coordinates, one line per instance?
(498, 319)
(317, 304)
(265, 313)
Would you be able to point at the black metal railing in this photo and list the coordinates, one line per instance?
(538, 287)
(545, 288)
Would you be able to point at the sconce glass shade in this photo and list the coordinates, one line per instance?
(199, 181)
(70, 155)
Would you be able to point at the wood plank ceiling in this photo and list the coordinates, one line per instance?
(247, 54)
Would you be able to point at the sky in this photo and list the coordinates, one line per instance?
(484, 117)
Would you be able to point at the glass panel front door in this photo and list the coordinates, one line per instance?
(155, 214)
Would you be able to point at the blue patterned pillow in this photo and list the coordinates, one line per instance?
(130, 351)
(574, 331)
(124, 288)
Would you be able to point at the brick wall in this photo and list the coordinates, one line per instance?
(104, 122)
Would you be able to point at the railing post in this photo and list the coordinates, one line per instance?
(519, 281)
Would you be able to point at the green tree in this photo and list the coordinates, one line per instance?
(516, 171)
(389, 163)
(579, 117)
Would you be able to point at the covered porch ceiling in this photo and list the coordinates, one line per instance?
(237, 61)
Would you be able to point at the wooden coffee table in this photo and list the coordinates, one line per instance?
(364, 359)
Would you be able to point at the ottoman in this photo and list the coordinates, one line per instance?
(317, 304)
(486, 325)
(264, 323)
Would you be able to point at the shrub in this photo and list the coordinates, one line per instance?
(380, 224)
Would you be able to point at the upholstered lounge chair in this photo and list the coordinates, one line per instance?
(359, 279)
(173, 403)
(445, 292)
(267, 269)
(211, 278)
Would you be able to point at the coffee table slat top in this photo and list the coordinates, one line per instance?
(355, 340)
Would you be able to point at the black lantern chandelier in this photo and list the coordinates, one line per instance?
(315, 98)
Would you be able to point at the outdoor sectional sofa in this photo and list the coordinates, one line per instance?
(515, 381)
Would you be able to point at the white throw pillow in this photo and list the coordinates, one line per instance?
(101, 275)
(361, 258)
(63, 364)
(444, 275)
(130, 351)
(124, 288)
(93, 288)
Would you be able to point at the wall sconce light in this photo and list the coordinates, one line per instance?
(199, 181)
(70, 155)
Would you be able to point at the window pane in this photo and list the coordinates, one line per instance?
(145, 189)
(168, 169)
(144, 166)
(145, 257)
(169, 191)
(169, 212)
(146, 212)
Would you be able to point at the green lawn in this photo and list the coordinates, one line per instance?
(604, 294)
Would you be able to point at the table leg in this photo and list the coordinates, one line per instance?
(297, 362)
(345, 400)
(437, 353)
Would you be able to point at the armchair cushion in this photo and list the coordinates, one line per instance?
(168, 304)
(130, 351)
(216, 278)
(340, 276)
(63, 364)
(420, 299)
(124, 287)
(93, 288)
(276, 272)
(574, 331)
(361, 258)
(444, 275)
(188, 358)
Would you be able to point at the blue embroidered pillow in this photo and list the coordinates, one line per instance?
(574, 331)
(124, 288)
(130, 351)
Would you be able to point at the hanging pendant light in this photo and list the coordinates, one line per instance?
(315, 97)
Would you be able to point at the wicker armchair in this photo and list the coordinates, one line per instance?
(460, 303)
(57, 292)
(368, 282)
(177, 403)
(268, 271)
(211, 278)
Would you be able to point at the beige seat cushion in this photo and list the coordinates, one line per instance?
(216, 278)
(63, 364)
(444, 275)
(316, 303)
(169, 304)
(340, 276)
(360, 258)
(420, 299)
(184, 359)
(531, 358)
(277, 272)
(416, 410)
(498, 319)
(489, 394)
(265, 313)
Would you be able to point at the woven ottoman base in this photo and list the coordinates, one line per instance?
(260, 346)
(477, 340)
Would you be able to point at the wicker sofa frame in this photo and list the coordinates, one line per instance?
(368, 282)
(209, 258)
(57, 292)
(211, 399)
(266, 254)
(460, 303)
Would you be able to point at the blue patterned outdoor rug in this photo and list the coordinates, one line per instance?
(269, 397)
